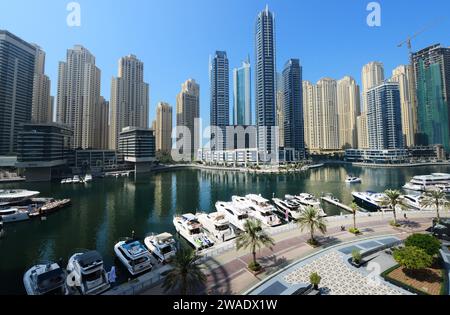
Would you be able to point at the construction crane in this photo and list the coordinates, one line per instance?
(408, 41)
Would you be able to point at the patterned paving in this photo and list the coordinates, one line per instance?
(338, 278)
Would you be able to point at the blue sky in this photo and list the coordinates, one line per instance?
(174, 38)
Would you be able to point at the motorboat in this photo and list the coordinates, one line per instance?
(191, 229)
(76, 179)
(64, 181)
(263, 210)
(371, 201)
(134, 256)
(415, 202)
(353, 180)
(162, 246)
(88, 178)
(68, 180)
(236, 215)
(217, 225)
(426, 182)
(444, 187)
(45, 279)
(309, 200)
(16, 196)
(289, 208)
(86, 272)
(14, 215)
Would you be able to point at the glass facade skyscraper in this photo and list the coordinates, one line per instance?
(265, 82)
(432, 76)
(17, 63)
(242, 102)
(294, 137)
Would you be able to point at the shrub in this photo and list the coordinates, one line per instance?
(428, 243)
(315, 279)
(413, 258)
(254, 266)
(394, 224)
(356, 256)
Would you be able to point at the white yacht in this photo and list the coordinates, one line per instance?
(370, 201)
(289, 208)
(236, 215)
(14, 215)
(353, 180)
(86, 272)
(45, 279)
(263, 210)
(134, 256)
(415, 202)
(190, 228)
(14, 196)
(88, 178)
(161, 246)
(309, 200)
(217, 225)
(425, 182)
(76, 179)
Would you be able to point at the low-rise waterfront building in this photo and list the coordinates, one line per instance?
(137, 147)
(94, 161)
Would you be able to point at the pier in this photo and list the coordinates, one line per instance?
(337, 203)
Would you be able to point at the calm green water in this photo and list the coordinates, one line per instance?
(109, 209)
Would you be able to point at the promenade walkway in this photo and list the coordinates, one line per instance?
(227, 274)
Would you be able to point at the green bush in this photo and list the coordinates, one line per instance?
(413, 258)
(356, 256)
(315, 279)
(428, 243)
(254, 266)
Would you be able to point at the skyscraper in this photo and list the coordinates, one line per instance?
(42, 108)
(402, 75)
(220, 99)
(163, 127)
(280, 109)
(265, 81)
(79, 96)
(311, 113)
(348, 102)
(129, 98)
(293, 126)
(242, 100)
(432, 76)
(17, 63)
(102, 125)
(372, 75)
(327, 100)
(384, 117)
(188, 110)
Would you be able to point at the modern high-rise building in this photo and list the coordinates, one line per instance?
(363, 135)
(432, 76)
(311, 116)
(42, 108)
(129, 98)
(384, 117)
(163, 127)
(402, 75)
(242, 95)
(188, 111)
(372, 74)
(78, 96)
(348, 102)
(265, 80)
(293, 124)
(102, 125)
(219, 78)
(17, 64)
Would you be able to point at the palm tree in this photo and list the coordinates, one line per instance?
(393, 199)
(255, 238)
(435, 197)
(354, 208)
(186, 273)
(311, 220)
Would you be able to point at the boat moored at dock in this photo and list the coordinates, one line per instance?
(217, 225)
(14, 215)
(236, 215)
(289, 207)
(134, 256)
(370, 201)
(191, 229)
(426, 182)
(45, 279)
(261, 209)
(16, 196)
(309, 200)
(162, 246)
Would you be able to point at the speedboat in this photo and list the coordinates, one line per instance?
(289, 207)
(237, 216)
(64, 181)
(45, 279)
(134, 256)
(161, 246)
(16, 196)
(87, 273)
(371, 201)
(190, 229)
(76, 179)
(426, 182)
(415, 202)
(353, 180)
(88, 178)
(217, 225)
(309, 200)
(14, 215)
(263, 210)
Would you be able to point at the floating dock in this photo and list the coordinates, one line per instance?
(337, 203)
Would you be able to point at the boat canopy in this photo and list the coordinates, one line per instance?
(89, 258)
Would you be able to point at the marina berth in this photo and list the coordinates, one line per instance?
(87, 273)
(162, 246)
(45, 279)
(237, 215)
(191, 229)
(217, 225)
(134, 256)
